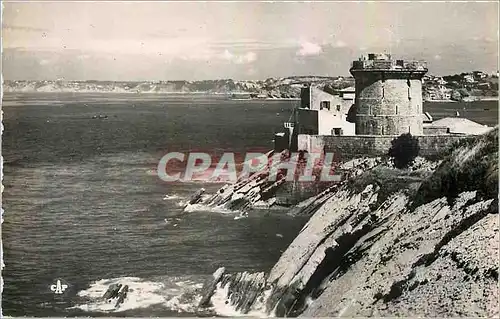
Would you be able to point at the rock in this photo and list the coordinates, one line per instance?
(112, 291)
(121, 296)
(388, 243)
(243, 289)
(209, 288)
(196, 198)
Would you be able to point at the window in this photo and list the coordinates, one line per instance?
(324, 105)
(396, 109)
(337, 131)
(338, 107)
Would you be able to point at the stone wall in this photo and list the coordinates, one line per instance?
(435, 130)
(388, 103)
(293, 192)
(348, 147)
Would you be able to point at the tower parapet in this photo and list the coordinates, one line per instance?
(388, 95)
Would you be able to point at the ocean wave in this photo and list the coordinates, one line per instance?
(172, 197)
(151, 172)
(172, 221)
(203, 181)
(141, 294)
(191, 208)
(182, 200)
(222, 306)
(241, 215)
(174, 293)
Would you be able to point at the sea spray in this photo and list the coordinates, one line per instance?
(174, 293)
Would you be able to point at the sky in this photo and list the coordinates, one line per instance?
(137, 41)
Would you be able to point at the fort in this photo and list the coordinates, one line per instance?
(363, 120)
(356, 123)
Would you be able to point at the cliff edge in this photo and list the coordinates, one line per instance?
(387, 242)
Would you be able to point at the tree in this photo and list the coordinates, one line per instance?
(404, 149)
(456, 96)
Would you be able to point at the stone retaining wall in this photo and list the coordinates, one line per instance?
(348, 147)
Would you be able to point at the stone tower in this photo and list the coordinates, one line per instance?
(388, 95)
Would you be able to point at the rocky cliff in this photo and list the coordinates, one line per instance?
(387, 242)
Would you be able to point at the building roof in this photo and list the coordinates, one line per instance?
(459, 125)
(350, 89)
(426, 117)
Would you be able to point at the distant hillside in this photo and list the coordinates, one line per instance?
(463, 86)
(288, 87)
(472, 85)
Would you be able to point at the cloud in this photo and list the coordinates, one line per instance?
(340, 44)
(24, 28)
(196, 55)
(309, 48)
(246, 58)
(83, 56)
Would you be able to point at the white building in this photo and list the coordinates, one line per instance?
(322, 113)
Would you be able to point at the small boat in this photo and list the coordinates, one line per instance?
(100, 116)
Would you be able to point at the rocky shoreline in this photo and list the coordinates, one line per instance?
(387, 242)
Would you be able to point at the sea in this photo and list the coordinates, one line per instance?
(83, 203)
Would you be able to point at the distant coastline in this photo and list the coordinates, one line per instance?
(480, 98)
(272, 88)
(287, 88)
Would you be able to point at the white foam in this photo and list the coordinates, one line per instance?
(172, 197)
(221, 304)
(259, 307)
(205, 208)
(141, 294)
(178, 294)
(201, 180)
(151, 172)
(182, 203)
(182, 303)
(185, 298)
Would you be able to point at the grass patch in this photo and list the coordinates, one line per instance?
(471, 164)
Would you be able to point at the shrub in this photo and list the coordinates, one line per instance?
(477, 171)
(404, 150)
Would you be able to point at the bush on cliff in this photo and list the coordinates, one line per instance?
(404, 150)
(471, 165)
